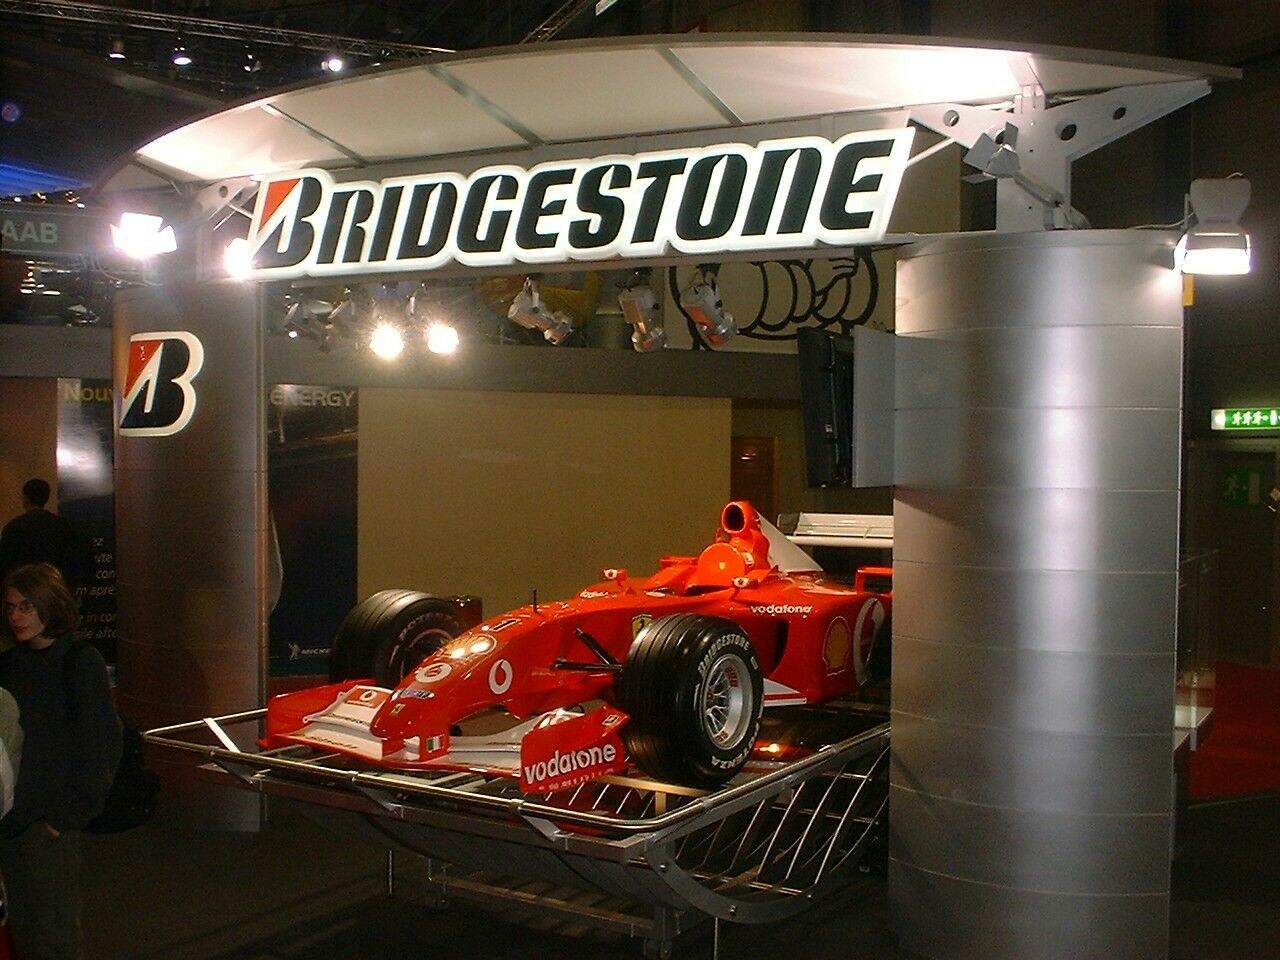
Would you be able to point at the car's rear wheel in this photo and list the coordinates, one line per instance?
(693, 688)
(880, 663)
(388, 634)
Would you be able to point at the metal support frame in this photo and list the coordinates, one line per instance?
(621, 854)
(1028, 146)
(118, 17)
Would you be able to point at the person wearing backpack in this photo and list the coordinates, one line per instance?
(70, 753)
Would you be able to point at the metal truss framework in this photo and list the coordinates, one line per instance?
(125, 18)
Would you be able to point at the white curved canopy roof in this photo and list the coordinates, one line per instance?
(522, 97)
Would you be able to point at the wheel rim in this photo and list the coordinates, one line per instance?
(726, 701)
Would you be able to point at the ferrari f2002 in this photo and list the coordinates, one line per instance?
(668, 672)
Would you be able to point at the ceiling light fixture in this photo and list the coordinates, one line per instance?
(141, 236)
(441, 337)
(701, 300)
(117, 49)
(179, 57)
(528, 311)
(640, 309)
(386, 341)
(238, 258)
(1215, 243)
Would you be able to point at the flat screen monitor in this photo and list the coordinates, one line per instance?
(826, 401)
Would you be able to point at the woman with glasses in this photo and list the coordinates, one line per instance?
(70, 751)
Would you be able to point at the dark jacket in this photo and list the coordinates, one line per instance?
(69, 754)
(38, 536)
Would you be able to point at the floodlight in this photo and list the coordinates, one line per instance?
(441, 337)
(141, 235)
(1215, 244)
(117, 49)
(333, 63)
(640, 309)
(238, 258)
(343, 316)
(386, 340)
(528, 311)
(308, 319)
(701, 300)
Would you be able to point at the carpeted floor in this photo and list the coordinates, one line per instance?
(1241, 754)
(297, 891)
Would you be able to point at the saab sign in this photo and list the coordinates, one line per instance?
(158, 397)
(779, 194)
(44, 230)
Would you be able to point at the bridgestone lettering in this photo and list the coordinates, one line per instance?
(779, 194)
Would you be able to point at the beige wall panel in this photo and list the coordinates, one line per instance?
(28, 439)
(794, 493)
(498, 493)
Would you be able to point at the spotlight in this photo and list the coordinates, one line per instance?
(303, 319)
(441, 338)
(251, 63)
(344, 317)
(238, 258)
(386, 341)
(1216, 244)
(141, 236)
(179, 57)
(117, 49)
(528, 311)
(701, 300)
(640, 308)
(333, 63)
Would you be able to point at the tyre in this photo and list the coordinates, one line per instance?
(390, 633)
(693, 689)
(880, 663)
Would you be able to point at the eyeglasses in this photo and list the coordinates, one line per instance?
(22, 606)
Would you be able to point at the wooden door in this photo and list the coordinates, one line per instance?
(1228, 494)
(753, 473)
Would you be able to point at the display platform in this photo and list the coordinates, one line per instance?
(622, 853)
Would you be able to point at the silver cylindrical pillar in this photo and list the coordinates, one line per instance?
(1037, 438)
(191, 519)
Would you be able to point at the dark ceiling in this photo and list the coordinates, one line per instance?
(66, 110)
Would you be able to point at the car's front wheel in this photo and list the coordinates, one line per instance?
(693, 688)
(388, 634)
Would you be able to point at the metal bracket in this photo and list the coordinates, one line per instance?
(219, 201)
(1028, 148)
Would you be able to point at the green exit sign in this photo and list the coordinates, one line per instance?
(1247, 418)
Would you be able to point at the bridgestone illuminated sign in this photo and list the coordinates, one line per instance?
(779, 194)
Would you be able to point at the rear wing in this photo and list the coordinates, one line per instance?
(839, 529)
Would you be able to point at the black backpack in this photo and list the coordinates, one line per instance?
(132, 798)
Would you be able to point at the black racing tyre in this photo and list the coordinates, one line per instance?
(693, 689)
(880, 663)
(388, 634)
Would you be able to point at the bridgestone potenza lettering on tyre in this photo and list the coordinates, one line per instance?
(692, 686)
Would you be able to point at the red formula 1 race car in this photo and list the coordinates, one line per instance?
(669, 672)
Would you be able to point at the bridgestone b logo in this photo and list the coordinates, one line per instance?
(158, 397)
(779, 194)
